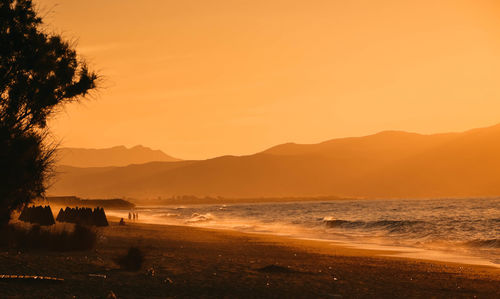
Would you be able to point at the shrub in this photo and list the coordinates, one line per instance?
(36, 237)
(132, 261)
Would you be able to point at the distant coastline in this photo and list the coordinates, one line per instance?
(195, 200)
(74, 201)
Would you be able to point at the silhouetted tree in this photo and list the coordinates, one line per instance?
(38, 72)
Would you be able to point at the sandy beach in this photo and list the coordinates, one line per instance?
(184, 262)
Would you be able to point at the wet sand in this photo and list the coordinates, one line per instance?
(204, 263)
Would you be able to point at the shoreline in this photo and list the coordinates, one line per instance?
(186, 262)
(330, 247)
(431, 255)
(334, 247)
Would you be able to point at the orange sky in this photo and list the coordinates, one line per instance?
(198, 79)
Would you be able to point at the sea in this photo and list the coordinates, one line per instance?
(465, 230)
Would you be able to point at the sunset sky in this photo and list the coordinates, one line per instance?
(199, 79)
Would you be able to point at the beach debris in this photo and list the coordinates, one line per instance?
(86, 216)
(132, 261)
(275, 269)
(168, 280)
(37, 215)
(151, 272)
(31, 277)
(111, 295)
(98, 275)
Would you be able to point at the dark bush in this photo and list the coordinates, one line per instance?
(37, 215)
(132, 261)
(83, 238)
(84, 216)
(40, 72)
(36, 237)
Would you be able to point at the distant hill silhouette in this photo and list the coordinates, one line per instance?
(388, 164)
(114, 156)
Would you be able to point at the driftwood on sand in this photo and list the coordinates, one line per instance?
(31, 277)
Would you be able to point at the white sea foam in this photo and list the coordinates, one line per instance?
(469, 227)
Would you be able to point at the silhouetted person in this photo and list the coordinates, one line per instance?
(129, 216)
(121, 222)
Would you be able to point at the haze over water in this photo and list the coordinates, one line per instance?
(466, 226)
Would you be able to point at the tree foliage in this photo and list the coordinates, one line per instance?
(38, 72)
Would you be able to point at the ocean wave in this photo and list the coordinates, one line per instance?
(168, 215)
(197, 218)
(390, 225)
(484, 243)
(338, 223)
